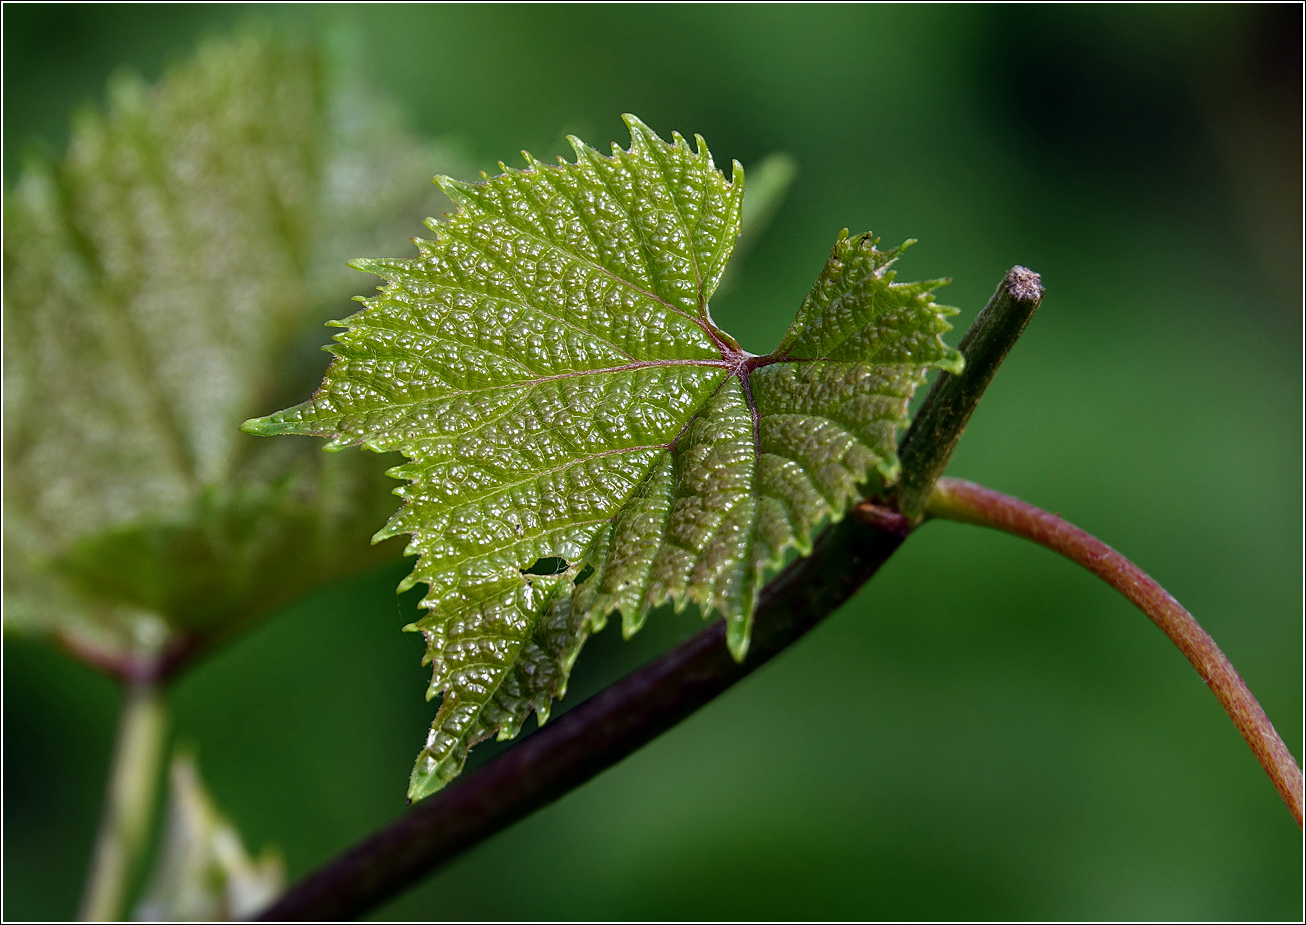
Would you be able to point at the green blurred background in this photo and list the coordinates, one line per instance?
(984, 732)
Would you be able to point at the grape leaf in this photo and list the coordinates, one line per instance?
(159, 286)
(203, 872)
(583, 439)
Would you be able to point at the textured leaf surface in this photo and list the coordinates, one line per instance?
(582, 438)
(158, 284)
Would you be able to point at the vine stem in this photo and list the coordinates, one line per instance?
(595, 735)
(129, 799)
(955, 499)
(614, 723)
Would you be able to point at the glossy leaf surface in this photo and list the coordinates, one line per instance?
(583, 439)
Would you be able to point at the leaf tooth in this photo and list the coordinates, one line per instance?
(407, 584)
(704, 153)
(583, 151)
(642, 137)
(383, 267)
(738, 635)
(460, 192)
(634, 618)
(265, 426)
(393, 527)
(303, 419)
(643, 140)
(890, 467)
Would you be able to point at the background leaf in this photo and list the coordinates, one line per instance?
(549, 364)
(203, 871)
(158, 285)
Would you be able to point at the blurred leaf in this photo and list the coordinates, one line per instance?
(159, 286)
(584, 438)
(769, 181)
(203, 871)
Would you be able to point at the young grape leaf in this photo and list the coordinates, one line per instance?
(158, 285)
(583, 439)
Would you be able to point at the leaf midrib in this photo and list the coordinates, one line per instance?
(532, 383)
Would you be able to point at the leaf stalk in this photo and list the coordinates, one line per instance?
(128, 803)
(966, 502)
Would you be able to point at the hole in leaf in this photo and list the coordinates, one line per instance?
(549, 565)
(584, 575)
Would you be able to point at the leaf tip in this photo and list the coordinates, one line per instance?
(373, 265)
(426, 779)
(632, 621)
(635, 124)
(289, 421)
(579, 147)
(890, 469)
(407, 584)
(738, 633)
(456, 190)
(259, 427)
(598, 620)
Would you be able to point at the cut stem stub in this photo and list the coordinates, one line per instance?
(952, 399)
(955, 499)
